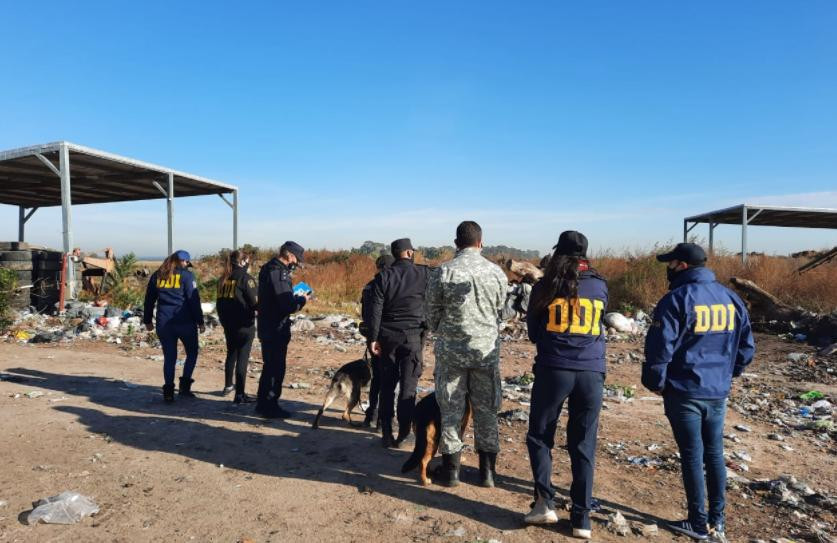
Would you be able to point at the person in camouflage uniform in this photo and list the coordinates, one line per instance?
(464, 299)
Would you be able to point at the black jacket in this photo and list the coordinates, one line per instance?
(237, 300)
(276, 302)
(397, 300)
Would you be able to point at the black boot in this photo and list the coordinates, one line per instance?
(448, 474)
(371, 414)
(487, 468)
(387, 440)
(168, 393)
(186, 388)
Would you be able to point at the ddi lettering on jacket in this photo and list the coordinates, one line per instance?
(714, 318)
(228, 289)
(171, 282)
(582, 317)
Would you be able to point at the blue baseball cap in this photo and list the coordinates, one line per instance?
(690, 253)
(184, 255)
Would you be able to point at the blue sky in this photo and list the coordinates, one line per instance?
(348, 121)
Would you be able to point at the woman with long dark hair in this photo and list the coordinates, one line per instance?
(564, 321)
(174, 291)
(237, 302)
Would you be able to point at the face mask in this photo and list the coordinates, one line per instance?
(292, 266)
(671, 274)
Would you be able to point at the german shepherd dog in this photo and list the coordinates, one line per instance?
(347, 382)
(427, 425)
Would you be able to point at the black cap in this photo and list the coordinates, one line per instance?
(571, 243)
(384, 261)
(400, 245)
(690, 253)
(295, 249)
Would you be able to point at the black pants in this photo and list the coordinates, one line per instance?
(401, 364)
(551, 388)
(239, 343)
(274, 355)
(374, 389)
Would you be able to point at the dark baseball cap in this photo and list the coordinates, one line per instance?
(384, 261)
(690, 253)
(295, 249)
(400, 245)
(571, 243)
(184, 256)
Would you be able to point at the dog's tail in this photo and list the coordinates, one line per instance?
(418, 452)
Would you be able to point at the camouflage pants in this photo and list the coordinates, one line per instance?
(482, 387)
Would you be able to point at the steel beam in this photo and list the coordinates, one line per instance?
(66, 217)
(49, 164)
(170, 212)
(23, 218)
(744, 221)
(235, 219)
(712, 226)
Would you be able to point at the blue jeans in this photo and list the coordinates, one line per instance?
(551, 389)
(698, 427)
(169, 335)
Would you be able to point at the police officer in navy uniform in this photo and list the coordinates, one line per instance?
(382, 262)
(396, 334)
(699, 340)
(173, 289)
(564, 321)
(277, 303)
(237, 303)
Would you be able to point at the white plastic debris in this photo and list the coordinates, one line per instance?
(620, 323)
(65, 508)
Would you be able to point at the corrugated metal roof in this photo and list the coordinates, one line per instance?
(95, 177)
(797, 217)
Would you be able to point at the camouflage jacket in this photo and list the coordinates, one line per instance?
(464, 299)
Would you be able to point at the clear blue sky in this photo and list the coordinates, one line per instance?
(347, 121)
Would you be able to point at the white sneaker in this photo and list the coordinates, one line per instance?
(541, 513)
(581, 533)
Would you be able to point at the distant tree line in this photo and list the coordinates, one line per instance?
(374, 248)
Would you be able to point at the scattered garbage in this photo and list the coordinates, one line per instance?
(811, 396)
(617, 524)
(65, 508)
(798, 357)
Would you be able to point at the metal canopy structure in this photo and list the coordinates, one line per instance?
(757, 215)
(66, 174)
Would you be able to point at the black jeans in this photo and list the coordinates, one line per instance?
(374, 389)
(401, 364)
(274, 355)
(239, 343)
(551, 388)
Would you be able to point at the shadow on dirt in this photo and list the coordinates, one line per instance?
(332, 454)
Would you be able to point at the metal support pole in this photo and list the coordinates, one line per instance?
(21, 222)
(235, 219)
(66, 216)
(744, 221)
(712, 226)
(170, 211)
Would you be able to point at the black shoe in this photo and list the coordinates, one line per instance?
(685, 527)
(168, 393)
(242, 398)
(448, 474)
(185, 389)
(370, 416)
(401, 437)
(388, 441)
(487, 468)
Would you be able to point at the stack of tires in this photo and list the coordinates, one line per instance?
(46, 280)
(16, 257)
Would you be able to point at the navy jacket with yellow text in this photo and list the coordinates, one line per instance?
(567, 338)
(700, 338)
(177, 299)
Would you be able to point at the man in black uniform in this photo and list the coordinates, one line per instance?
(396, 332)
(383, 262)
(276, 304)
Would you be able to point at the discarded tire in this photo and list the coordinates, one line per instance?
(47, 265)
(17, 265)
(14, 256)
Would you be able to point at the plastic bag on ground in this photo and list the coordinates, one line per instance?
(65, 508)
(619, 322)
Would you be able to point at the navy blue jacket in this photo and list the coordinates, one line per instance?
(567, 339)
(396, 303)
(276, 302)
(237, 300)
(177, 299)
(700, 338)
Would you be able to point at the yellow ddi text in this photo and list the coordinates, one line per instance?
(580, 317)
(228, 289)
(171, 282)
(714, 318)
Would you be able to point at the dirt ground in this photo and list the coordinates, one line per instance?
(206, 470)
